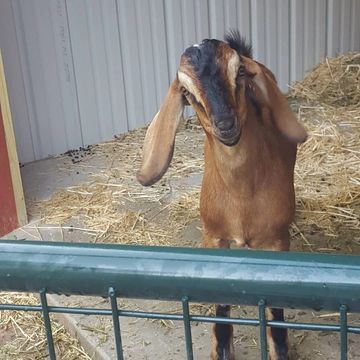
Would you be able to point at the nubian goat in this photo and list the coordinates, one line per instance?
(247, 194)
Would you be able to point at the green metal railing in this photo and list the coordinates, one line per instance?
(285, 280)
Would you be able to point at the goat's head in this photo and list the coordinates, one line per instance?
(211, 77)
(219, 80)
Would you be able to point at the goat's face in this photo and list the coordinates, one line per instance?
(216, 78)
(211, 76)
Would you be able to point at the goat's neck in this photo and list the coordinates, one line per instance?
(246, 165)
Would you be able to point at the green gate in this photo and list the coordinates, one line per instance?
(243, 277)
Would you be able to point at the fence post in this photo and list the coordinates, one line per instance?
(187, 327)
(47, 323)
(343, 332)
(116, 324)
(262, 324)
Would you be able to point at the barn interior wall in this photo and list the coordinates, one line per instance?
(81, 71)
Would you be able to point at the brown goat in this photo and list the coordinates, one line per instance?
(247, 194)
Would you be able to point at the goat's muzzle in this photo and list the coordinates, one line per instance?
(226, 129)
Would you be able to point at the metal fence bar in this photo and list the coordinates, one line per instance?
(262, 327)
(116, 324)
(187, 328)
(343, 332)
(206, 275)
(47, 323)
(319, 282)
(179, 317)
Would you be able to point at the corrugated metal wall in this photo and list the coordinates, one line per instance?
(80, 71)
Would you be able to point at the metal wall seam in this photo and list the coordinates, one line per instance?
(283, 46)
(64, 58)
(146, 58)
(24, 64)
(131, 63)
(355, 26)
(114, 67)
(333, 27)
(161, 70)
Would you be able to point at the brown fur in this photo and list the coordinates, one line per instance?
(247, 194)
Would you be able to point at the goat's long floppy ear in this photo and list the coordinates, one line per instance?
(268, 94)
(160, 137)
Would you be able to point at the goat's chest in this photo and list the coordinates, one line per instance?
(248, 215)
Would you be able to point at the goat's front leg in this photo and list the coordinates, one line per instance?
(222, 347)
(277, 339)
(222, 337)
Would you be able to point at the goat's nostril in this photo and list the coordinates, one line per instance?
(225, 124)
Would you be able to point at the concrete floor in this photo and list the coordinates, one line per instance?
(142, 339)
(145, 339)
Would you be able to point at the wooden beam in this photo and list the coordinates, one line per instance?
(11, 148)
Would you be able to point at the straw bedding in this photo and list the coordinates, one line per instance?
(112, 207)
(22, 334)
(327, 174)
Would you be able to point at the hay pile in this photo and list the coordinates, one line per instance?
(104, 212)
(113, 207)
(327, 174)
(23, 335)
(334, 82)
(328, 169)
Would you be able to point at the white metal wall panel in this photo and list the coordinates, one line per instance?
(345, 25)
(15, 83)
(217, 19)
(355, 25)
(67, 101)
(80, 71)
(243, 18)
(319, 52)
(174, 38)
(113, 56)
(314, 32)
(202, 19)
(230, 13)
(297, 45)
(258, 34)
(333, 27)
(52, 113)
(146, 53)
(97, 60)
(282, 70)
(161, 68)
(188, 22)
(271, 35)
(131, 62)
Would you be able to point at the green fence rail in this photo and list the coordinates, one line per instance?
(243, 277)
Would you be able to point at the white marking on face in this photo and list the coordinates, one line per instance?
(260, 82)
(233, 67)
(189, 85)
(196, 45)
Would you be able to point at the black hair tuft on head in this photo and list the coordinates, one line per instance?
(238, 43)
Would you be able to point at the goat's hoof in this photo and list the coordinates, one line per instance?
(223, 354)
(281, 355)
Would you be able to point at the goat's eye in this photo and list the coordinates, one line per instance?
(184, 91)
(241, 72)
(240, 75)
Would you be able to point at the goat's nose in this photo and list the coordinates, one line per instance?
(224, 122)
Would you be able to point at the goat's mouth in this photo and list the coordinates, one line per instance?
(226, 128)
(229, 138)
